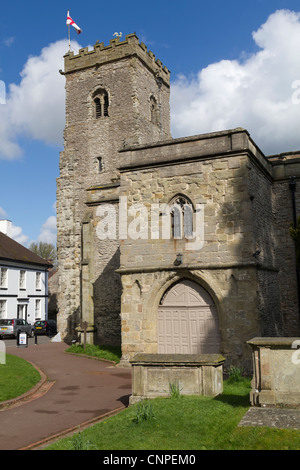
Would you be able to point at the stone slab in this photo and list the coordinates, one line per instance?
(272, 417)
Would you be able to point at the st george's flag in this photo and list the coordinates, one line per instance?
(72, 23)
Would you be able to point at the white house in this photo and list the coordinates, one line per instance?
(23, 280)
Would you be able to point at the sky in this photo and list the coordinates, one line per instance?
(233, 64)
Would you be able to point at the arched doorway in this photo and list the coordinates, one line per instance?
(188, 321)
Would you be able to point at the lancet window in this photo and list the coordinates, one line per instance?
(181, 217)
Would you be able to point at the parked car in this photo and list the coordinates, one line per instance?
(14, 326)
(45, 327)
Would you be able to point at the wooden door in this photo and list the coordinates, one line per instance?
(188, 321)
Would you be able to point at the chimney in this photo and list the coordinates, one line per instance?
(5, 227)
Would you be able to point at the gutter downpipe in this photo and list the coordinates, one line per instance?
(293, 191)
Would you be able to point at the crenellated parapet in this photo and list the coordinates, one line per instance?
(117, 50)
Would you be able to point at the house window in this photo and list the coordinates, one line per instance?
(182, 217)
(38, 281)
(3, 278)
(3, 308)
(37, 311)
(22, 281)
(101, 103)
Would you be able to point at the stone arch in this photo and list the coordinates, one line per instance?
(164, 281)
(188, 320)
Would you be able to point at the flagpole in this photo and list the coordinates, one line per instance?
(69, 33)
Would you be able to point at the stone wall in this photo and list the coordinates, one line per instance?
(285, 166)
(226, 265)
(128, 73)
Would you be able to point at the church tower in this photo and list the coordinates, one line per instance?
(116, 96)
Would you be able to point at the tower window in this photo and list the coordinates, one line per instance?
(101, 103)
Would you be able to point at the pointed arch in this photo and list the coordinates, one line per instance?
(182, 216)
(188, 320)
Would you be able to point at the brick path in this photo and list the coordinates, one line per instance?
(78, 391)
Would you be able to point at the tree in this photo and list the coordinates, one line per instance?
(44, 250)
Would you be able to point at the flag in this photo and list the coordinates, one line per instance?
(71, 22)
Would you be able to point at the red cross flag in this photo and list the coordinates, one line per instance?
(72, 23)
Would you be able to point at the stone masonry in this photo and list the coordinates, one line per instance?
(89, 177)
(123, 166)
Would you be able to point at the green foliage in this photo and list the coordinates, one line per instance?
(198, 423)
(174, 389)
(235, 374)
(78, 442)
(109, 353)
(144, 412)
(44, 250)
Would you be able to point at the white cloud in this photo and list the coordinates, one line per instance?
(2, 213)
(255, 93)
(17, 234)
(48, 231)
(35, 107)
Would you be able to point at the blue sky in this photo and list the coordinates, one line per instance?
(222, 76)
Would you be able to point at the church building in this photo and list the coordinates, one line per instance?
(167, 245)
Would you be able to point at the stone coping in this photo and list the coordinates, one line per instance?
(184, 359)
(276, 342)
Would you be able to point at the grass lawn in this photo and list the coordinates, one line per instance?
(17, 376)
(184, 423)
(109, 353)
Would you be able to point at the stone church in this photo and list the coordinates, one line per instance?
(167, 245)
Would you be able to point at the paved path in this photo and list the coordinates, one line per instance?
(272, 418)
(78, 390)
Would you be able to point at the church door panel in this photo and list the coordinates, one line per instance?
(188, 321)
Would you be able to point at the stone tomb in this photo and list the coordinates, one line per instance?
(276, 366)
(195, 374)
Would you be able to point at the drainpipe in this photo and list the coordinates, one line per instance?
(293, 192)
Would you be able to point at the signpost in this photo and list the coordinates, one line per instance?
(22, 340)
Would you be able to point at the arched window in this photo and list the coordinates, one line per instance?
(181, 209)
(101, 103)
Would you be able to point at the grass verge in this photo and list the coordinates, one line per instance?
(109, 353)
(184, 423)
(17, 376)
